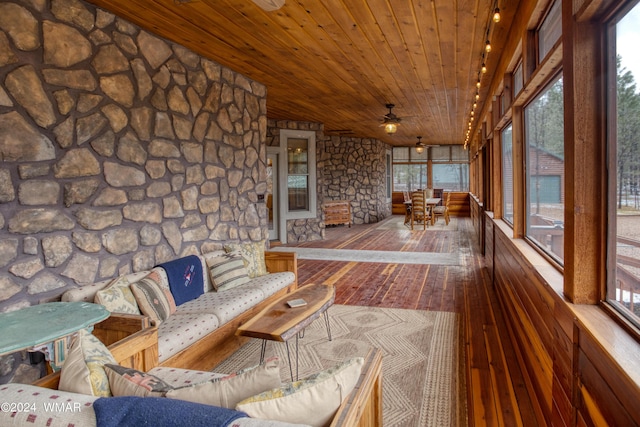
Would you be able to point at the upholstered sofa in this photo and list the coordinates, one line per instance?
(194, 333)
(42, 404)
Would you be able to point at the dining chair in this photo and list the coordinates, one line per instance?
(443, 210)
(407, 206)
(419, 209)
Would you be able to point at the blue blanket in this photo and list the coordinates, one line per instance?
(132, 411)
(185, 278)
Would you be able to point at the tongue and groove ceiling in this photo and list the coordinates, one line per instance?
(339, 62)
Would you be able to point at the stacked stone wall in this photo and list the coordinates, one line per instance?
(118, 151)
(348, 168)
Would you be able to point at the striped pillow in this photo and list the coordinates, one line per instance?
(154, 300)
(227, 271)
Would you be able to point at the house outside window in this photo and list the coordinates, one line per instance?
(544, 155)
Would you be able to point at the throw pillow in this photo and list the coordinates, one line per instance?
(154, 300)
(227, 271)
(228, 391)
(253, 255)
(313, 400)
(117, 297)
(131, 382)
(132, 411)
(83, 369)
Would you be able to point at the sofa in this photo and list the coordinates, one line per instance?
(356, 384)
(194, 333)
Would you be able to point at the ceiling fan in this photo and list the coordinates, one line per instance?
(390, 121)
(269, 5)
(420, 145)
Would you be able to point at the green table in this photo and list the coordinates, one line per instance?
(47, 327)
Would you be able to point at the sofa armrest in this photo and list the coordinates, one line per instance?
(119, 326)
(281, 261)
(363, 406)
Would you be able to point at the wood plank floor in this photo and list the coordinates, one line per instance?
(496, 391)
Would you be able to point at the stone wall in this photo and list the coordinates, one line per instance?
(118, 151)
(348, 168)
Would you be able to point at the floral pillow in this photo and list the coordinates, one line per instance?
(83, 369)
(253, 255)
(117, 297)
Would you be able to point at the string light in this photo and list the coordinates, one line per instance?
(484, 68)
(496, 15)
(487, 46)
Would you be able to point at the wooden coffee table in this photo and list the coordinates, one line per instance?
(279, 322)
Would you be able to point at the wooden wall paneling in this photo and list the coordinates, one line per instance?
(598, 401)
(562, 410)
(534, 350)
(488, 243)
(607, 382)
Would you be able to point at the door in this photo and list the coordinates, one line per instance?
(271, 198)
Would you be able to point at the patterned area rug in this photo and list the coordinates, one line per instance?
(422, 368)
(396, 222)
(388, 257)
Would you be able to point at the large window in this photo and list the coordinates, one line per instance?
(449, 168)
(507, 174)
(544, 142)
(623, 284)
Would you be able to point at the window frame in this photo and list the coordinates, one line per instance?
(310, 136)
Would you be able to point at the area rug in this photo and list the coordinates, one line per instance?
(396, 222)
(423, 380)
(387, 257)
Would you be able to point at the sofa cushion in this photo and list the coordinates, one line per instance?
(181, 330)
(225, 305)
(273, 282)
(83, 369)
(231, 389)
(313, 400)
(227, 271)
(133, 411)
(67, 409)
(131, 382)
(186, 279)
(253, 255)
(154, 300)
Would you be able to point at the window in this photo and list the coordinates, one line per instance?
(623, 250)
(518, 80)
(550, 30)
(388, 175)
(298, 173)
(450, 168)
(451, 176)
(507, 174)
(544, 155)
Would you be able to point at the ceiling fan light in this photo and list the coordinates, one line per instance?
(391, 128)
(419, 149)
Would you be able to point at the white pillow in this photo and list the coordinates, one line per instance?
(312, 401)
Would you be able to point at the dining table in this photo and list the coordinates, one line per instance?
(430, 202)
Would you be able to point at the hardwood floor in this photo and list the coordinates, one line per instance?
(496, 391)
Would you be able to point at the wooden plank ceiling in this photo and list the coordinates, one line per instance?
(339, 62)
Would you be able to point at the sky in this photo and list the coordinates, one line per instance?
(628, 39)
